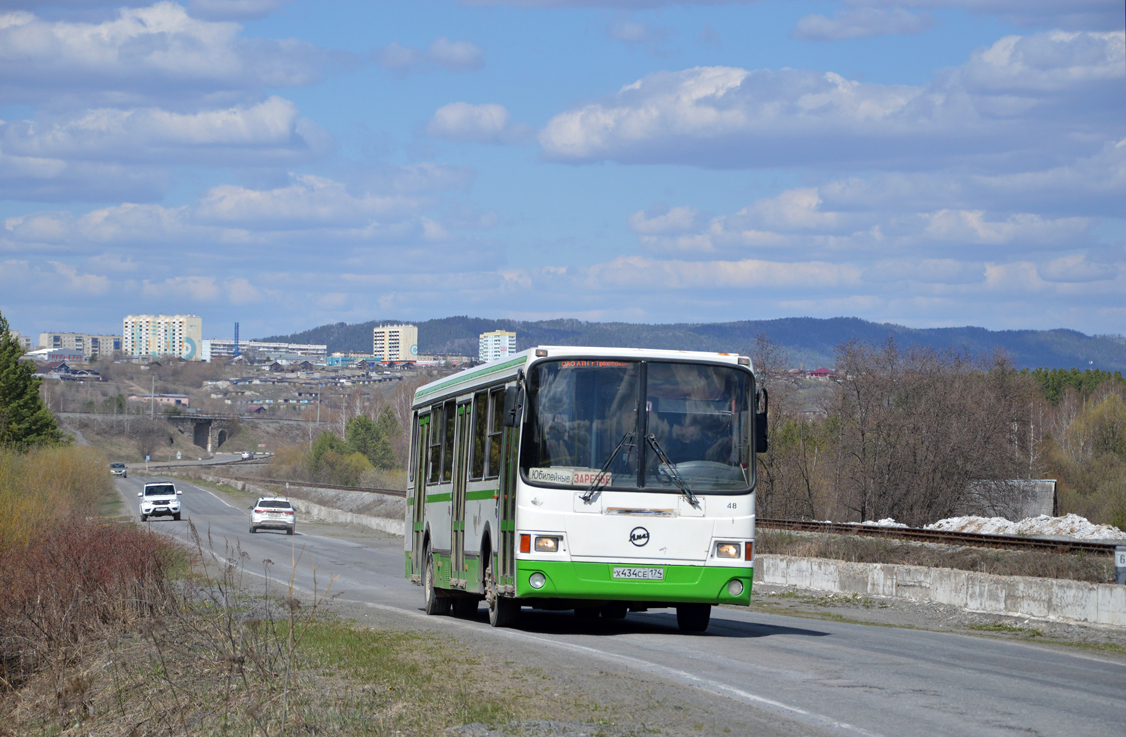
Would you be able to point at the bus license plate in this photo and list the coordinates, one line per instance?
(649, 574)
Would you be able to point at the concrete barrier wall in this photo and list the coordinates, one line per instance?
(311, 510)
(1017, 595)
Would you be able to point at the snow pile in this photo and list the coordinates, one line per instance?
(1072, 526)
(885, 522)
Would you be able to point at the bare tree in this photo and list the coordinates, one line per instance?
(918, 427)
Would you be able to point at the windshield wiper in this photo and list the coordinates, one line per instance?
(670, 468)
(600, 480)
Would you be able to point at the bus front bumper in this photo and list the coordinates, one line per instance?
(680, 583)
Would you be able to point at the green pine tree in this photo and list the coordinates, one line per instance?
(24, 418)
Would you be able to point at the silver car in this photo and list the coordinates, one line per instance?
(117, 468)
(276, 513)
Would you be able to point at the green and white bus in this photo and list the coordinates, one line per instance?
(594, 479)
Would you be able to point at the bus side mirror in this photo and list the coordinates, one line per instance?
(513, 406)
(762, 442)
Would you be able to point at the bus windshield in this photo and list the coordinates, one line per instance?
(602, 423)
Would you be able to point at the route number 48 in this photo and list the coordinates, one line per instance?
(732, 505)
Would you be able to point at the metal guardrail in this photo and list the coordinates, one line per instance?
(940, 536)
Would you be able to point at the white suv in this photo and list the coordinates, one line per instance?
(273, 513)
(159, 500)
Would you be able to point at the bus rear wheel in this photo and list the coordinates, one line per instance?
(435, 602)
(502, 612)
(693, 617)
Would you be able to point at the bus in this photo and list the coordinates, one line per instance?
(599, 480)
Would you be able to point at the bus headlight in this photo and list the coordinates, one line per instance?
(547, 545)
(735, 587)
(727, 550)
(537, 580)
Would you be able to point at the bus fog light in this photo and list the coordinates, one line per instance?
(727, 550)
(735, 587)
(537, 580)
(547, 544)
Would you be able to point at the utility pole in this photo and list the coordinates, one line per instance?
(152, 398)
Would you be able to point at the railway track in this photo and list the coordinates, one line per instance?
(940, 536)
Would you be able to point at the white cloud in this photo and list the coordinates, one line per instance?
(797, 221)
(862, 23)
(640, 272)
(724, 117)
(307, 201)
(147, 54)
(462, 121)
(1078, 268)
(1072, 14)
(664, 220)
(453, 56)
(618, 4)
(638, 33)
(1047, 63)
(270, 132)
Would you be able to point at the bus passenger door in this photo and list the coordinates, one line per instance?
(457, 521)
(506, 576)
(418, 498)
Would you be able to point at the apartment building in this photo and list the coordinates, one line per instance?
(496, 345)
(216, 348)
(90, 346)
(163, 335)
(395, 343)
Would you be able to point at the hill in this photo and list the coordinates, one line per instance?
(809, 341)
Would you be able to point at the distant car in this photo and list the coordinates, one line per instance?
(160, 500)
(276, 513)
(248, 455)
(117, 468)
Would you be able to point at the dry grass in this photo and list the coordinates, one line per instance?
(43, 485)
(856, 549)
(199, 655)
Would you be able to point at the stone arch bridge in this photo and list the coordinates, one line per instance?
(208, 431)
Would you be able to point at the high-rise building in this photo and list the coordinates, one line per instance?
(162, 335)
(496, 345)
(90, 346)
(395, 342)
(24, 341)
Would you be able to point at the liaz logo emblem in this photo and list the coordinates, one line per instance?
(639, 536)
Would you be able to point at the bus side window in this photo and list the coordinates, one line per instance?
(496, 428)
(448, 455)
(480, 424)
(435, 449)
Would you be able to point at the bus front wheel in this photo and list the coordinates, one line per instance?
(435, 602)
(502, 612)
(693, 617)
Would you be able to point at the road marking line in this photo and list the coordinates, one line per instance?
(703, 684)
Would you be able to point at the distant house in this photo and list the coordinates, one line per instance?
(164, 400)
(256, 409)
(821, 373)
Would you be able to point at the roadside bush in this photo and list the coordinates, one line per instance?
(72, 583)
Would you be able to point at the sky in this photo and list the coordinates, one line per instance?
(289, 163)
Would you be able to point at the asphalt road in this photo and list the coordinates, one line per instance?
(810, 676)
